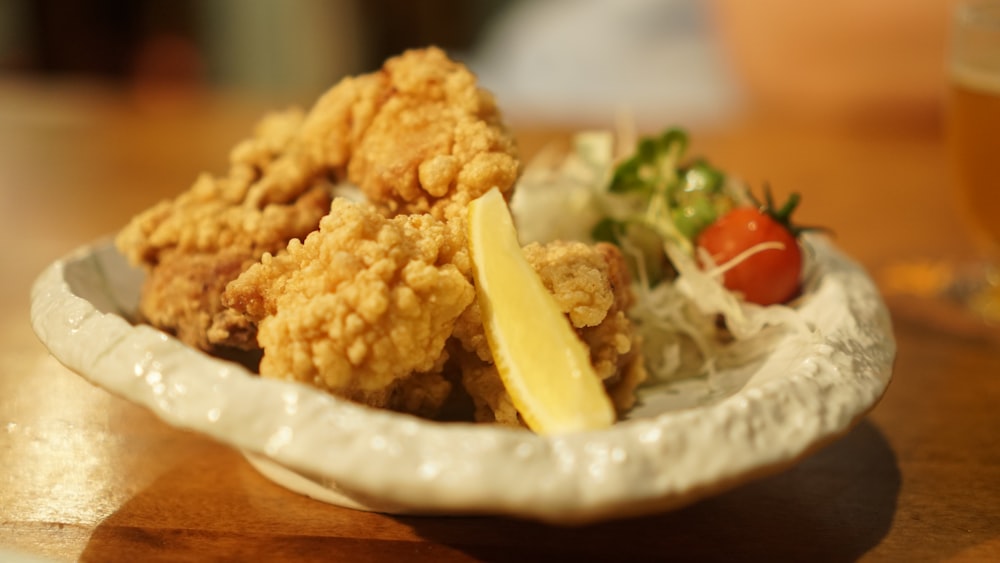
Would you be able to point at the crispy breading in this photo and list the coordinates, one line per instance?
(416, 136)
(362, 307)
(195, 244)
(371, 301)
(223, 212)
(419, 136)
(480, 380)
(592, 287)
(376, 310)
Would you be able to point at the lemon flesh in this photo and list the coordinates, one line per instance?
(544, 366)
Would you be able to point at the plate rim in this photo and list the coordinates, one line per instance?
(636, 467)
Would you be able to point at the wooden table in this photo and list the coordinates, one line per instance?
(86, 475)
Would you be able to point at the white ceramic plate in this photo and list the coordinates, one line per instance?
(687, 441)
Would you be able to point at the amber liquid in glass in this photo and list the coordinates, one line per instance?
(975, 146)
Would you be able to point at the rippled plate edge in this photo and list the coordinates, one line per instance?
(636, 467)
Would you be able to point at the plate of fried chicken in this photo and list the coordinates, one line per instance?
(314, 307)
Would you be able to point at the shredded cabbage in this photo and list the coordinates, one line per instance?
(565, 197)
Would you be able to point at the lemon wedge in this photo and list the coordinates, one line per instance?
(544, 366)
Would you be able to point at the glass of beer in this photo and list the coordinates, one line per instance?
(974, 138)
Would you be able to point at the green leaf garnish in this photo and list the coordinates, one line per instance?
(666, 198)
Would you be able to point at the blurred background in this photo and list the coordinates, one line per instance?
(552, 61)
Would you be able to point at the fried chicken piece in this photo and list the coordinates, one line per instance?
(490, 400)
(363, 308)
(417, 136)
(592, 287)
(195, 244)
(222, 212)
(376, 310)
(183, 295)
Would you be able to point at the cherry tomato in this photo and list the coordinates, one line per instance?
(766, 277)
